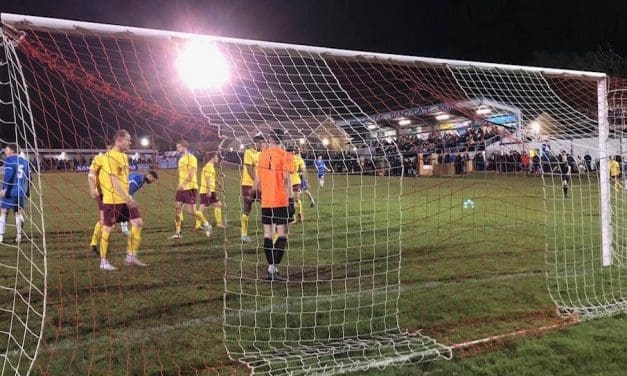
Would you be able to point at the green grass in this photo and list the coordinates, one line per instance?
(466, 274)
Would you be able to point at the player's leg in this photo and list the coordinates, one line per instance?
(134, 240)
(267, 218)
(191, 209)
(279, 245)
(321, 180)
(217, 210)
(124, 228)
(565, 186)
(3, 220)
(312, 202)
(247, 203)
(19, 222)
(109, 217)
(178, 219)
(95, 237)
(201, 208)
(299, 215)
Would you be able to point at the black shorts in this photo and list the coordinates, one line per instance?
(277, 216)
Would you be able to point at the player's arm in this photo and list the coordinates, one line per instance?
(287, 176)
(210, 180)
(120, 190)
(9, 173)
(92, 179)
(248, 165)
(191, 172)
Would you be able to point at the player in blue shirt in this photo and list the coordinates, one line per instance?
(321, 168)
(135, 182)
(15, 190)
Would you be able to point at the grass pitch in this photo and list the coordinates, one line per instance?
(467, 273)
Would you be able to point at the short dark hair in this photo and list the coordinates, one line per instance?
(290, 149)
(210, 155)
(153, 173)
(12, 147)
(183, 143)
(258, 137)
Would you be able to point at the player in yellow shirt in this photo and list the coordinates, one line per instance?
(118, 204)
(95, 171)
(208, 194)
(186, 189)
(251, 157)
(297, 168)
(615, 172)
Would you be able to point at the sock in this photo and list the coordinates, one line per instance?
(244, 221)
(124, 226)
(104, 244)
(95, 238)
(565, 189)
(199, 216)
(321, 183)
(178, 222)
(134, 240)
(279, 250)
(3, 222)
(217, 212)
(299, 207)
(267, 248)
(19, 220)
(197, 224)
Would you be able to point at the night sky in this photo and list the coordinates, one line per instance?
(486, 30)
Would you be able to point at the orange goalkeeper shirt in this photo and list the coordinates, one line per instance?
(273, 168)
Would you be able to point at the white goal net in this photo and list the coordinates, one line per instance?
(366, 125)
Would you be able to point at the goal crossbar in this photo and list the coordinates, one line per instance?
(69, 26)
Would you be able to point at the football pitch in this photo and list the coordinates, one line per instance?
(467, 273)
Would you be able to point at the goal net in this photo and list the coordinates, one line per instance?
(438, 201)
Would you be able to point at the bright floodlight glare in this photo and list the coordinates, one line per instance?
(241, 146)
(144, 142)
(404, 122)
(372, 126)
(201, 65)
(325, 141)
(302, 141)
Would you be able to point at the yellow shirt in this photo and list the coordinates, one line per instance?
(299, 165)
(208, 174)
(96, 167)
(188, 164)
(614, 168)
(251, 158)
(115, 164)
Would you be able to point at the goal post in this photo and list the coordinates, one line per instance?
(604, 174)
(400, 228)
